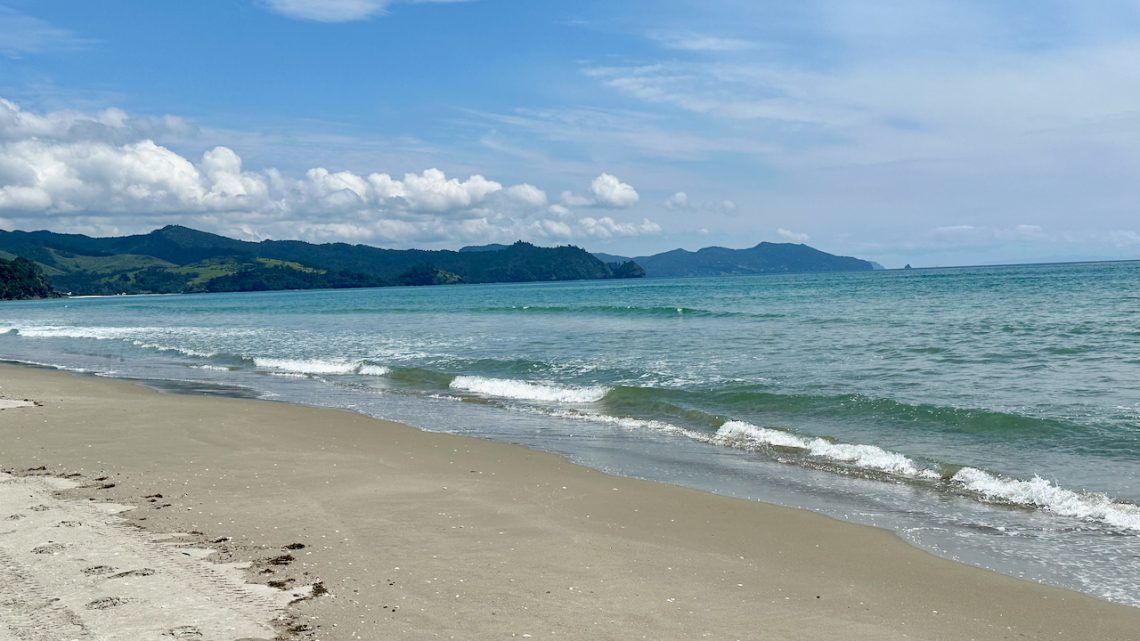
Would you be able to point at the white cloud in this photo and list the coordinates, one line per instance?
(605, 228)
(527, 195)
(109, 125)
(433, 191)
(23, 34)
(328, 10)
(605, 191)
(339, 10)
(795, 237)
(608, 191)
(679, 200)
(67, 171)
(570, 199)
(701, 42)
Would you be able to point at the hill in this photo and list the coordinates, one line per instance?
(610, 258)
(178, 259)
(21, 278)
(493, 247)
(765, 258)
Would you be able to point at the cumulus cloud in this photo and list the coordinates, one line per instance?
(605, 191)
(108, 125)
(795, 237)
(611, 192)
(527, 195)
(606, 227)
(72, 171)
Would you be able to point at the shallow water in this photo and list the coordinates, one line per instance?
(988, 414)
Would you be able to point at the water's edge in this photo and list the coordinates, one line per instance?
(203, 389)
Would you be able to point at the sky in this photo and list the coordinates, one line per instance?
(929, 132)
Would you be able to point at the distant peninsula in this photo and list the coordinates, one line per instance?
(765, 258)
(178, 259)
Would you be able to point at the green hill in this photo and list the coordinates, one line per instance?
(21, 278)
(178, 259)
(765, 258)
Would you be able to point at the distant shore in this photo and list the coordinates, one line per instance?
(422, 535)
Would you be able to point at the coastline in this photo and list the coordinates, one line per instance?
(427, 535)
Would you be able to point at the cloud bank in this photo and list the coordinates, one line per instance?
(104, 173)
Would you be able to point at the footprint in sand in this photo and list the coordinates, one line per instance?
(98, 570)
(49, 548)
(106, 602)
(184, 632)
(128, 573)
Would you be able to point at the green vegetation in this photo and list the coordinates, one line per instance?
(177, 260)
(21, 278)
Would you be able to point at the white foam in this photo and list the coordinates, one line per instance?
(527, 391)
(1044, 494)
(100, 333)
(870, 457)
(185, 351)
(315, 367)
(633, 423)
(212, 368)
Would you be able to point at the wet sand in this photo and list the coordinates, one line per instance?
(416, 535)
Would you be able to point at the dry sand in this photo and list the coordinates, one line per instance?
(71, 569)
(430, 536)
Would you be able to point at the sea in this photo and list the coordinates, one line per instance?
(989, 415)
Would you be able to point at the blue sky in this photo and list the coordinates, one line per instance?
(921, 131)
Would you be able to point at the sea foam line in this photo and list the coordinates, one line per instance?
(870, 457)
(1044, 494)
(1037, 493)
(528, 391)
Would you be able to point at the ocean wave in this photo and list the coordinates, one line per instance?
(758, 401)
(1037, 493)
(99, 333)
(185, 351)
(868, 457)
(1044, 494)
(528, 391)
(317, 367)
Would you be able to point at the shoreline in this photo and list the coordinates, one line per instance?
(427, 535)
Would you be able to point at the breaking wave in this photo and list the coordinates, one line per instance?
(527, 391)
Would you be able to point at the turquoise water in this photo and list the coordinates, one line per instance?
(987, 414)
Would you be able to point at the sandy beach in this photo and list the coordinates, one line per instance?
(416, 535)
